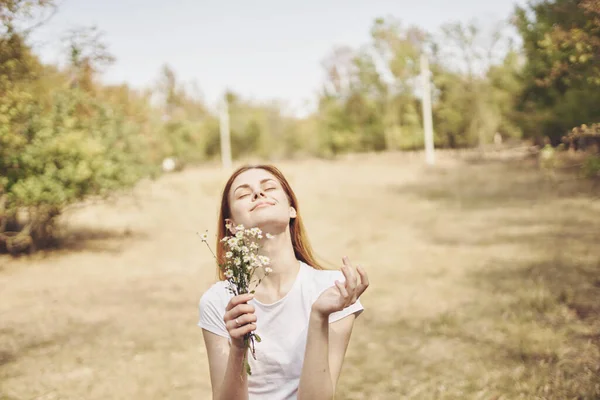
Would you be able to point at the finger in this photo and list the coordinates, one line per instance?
(346, 262)
(350, 289)
(238, 310)
(239, 299)
(364, 284)
(240, 321)
(240, 332)
(350, 284)
(351, 277)
(343, 291)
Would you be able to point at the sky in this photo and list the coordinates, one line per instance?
(261, 49)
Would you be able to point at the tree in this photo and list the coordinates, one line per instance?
(561, 41)
(398, 51)
(350, 106)
(87, 55)
(471, 105)
(59, 143)
(23, 16)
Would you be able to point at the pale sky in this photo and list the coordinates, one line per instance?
(261, 49)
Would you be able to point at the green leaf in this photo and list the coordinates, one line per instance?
(258, 339)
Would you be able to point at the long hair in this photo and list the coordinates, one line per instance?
(300, 243)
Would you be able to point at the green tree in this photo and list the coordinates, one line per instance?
(59, 143)
(186, 131)
(398, 50)
(561, 41)
(476, 81)
(368, 103)
(22, 16)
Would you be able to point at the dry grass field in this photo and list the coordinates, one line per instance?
(485, 284)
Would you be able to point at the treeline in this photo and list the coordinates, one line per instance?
(484, 84)
(65, 136)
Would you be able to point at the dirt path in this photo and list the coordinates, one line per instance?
(113, 316)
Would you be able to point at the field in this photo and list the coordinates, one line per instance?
(485, 284)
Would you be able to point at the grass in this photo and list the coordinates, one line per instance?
(485, 285)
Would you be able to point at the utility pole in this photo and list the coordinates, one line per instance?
(427, 113)
(225, 139)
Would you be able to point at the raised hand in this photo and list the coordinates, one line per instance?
(239, 318)
(342, 295)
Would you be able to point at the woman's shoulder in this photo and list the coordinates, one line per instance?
(212, 308)
(217, 294)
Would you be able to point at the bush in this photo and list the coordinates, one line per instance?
(54, 156)
(591, 167)
(586, 138)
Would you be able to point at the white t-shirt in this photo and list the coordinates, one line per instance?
(282, 327)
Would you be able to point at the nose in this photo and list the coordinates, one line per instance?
(259, 193)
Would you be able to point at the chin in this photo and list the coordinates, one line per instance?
(270, 225)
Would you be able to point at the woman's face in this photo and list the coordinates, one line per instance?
(257, 199)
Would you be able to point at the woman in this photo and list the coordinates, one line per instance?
(303, 313)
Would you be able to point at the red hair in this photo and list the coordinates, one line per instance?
(300, 243)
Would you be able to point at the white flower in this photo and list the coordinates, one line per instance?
(252, 259)
(237, 261)
(249, 267)
(253, 246)
(204, 237)
(247, 259)
(245, 250)
(228, 254)
(268, 270)
(239, 227)
(269, 236)
(228, 273)
(239, 234)
(232, 242)
(263, 260)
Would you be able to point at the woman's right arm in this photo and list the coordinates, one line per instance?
(226, 362)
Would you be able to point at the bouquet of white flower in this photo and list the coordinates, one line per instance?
(242, 261)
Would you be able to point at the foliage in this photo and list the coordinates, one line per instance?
(591, 167)
(59, 143)
(561, 41)
(583, 136)
(14, 11)
(64, 136)
(586, 138)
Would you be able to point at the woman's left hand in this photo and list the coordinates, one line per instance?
(342, 295)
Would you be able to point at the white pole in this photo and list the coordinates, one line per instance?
(427, 113)
(225, 139)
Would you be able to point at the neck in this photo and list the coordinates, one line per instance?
(283, 263)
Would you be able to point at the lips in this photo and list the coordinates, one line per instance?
(261, 204)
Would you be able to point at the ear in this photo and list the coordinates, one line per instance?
(293, 213)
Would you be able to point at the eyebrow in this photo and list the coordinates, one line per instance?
(245, 185)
